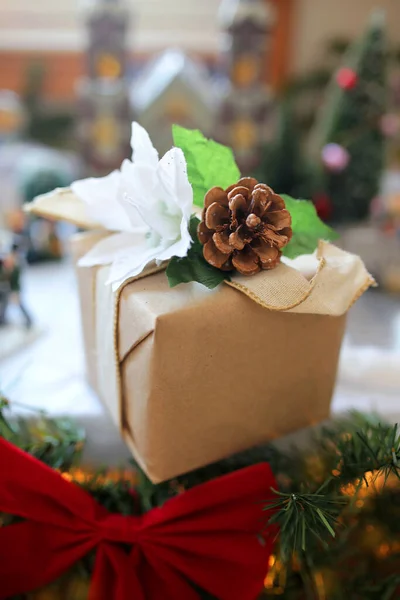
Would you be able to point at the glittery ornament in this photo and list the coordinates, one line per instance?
(323, 206)
(335, 157)
(346, 78)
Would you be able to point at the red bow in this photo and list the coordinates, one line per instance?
(207, 536)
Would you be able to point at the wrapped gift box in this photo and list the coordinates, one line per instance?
(191, 375)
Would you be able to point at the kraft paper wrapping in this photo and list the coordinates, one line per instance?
(191, 375)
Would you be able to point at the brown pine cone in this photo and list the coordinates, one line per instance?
(244, 227)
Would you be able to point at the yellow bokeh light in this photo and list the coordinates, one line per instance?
(108, 66)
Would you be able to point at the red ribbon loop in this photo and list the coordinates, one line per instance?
(208, 535)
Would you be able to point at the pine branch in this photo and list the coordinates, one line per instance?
(116, 491)
(375, 450)
(386, 588)
(302, 518)
(56, 442)
(360, 456)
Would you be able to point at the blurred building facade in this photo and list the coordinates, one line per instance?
(174, 88)
(234, 106)
(244, 115)
(230, 102)
(263, 42)
(104, 110)
(53, 33)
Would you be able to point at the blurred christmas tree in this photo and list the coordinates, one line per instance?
(282, 164)
(347, 144)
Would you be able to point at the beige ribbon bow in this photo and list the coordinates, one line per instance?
(340, 279)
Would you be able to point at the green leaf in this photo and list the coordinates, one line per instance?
(307, 228)
(193, 225)
(187, 269)
(209, 164)
(194, 267)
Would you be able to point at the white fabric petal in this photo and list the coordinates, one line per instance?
(131, 263)
(172, 177)
(148, 201)
(100, 196)
(185, 236)
(93, 189)
(107, 250)
(143, 150)
(180, 247)
(133, 215)
(139, 183)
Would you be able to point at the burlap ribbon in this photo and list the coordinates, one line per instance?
(340, 279)
(62, 205)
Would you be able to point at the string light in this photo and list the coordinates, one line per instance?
(82, 476)
(275, 581)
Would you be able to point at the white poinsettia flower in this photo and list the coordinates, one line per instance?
(148, 203)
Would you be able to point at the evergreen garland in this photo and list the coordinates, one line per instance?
(338, 504)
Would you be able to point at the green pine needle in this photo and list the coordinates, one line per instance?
(56, 442)
(301, 517)
(375, 449)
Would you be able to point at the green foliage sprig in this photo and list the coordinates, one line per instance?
(193, 266)
(357, 457)
(56, 442)
(300, 516)
(307, 227)
(374, 450)
(210, 164)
